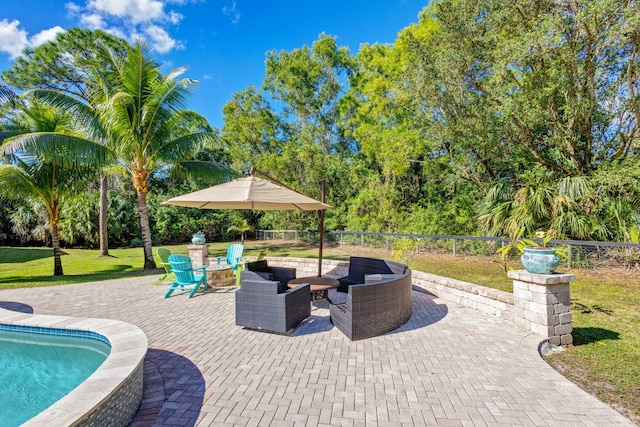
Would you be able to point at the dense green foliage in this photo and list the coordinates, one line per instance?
(481, 118)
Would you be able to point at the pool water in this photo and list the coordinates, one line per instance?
(37, 369)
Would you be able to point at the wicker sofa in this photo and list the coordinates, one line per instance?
(265, 302)
(379, 303)
(359, 267)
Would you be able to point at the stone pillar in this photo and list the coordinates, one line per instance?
(199, 255)
(542, 304)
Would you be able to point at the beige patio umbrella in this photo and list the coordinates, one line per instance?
(257, 194)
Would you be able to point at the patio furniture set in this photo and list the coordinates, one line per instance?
(374, 298)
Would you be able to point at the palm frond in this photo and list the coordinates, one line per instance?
(208, 172)
(82, 115)
(7, 95)
(65, 151)
(175, 73)
(15, 183)
(573, 186)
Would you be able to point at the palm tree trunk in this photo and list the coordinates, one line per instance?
(145, 229)
(55, 243)
(102, 221)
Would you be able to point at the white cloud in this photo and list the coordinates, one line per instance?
(135, 11)
(12, 39)
(149, 20)
(137, 19)
(159, 39)
(93, 21)
(45, 36)
(231, 12)
(174, 17)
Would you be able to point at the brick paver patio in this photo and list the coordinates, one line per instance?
(449, 366)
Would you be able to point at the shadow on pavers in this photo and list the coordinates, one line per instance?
(173, 391)
(16, 306)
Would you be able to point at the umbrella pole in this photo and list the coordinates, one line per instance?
(255, 171)
(321, 229)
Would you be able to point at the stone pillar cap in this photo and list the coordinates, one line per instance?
(541, 279)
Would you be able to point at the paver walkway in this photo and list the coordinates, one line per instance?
(449, 366)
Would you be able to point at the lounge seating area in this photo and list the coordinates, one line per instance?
(265, 302)
(378, 298)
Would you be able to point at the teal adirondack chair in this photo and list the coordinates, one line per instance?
(234, 255)
(186, 276)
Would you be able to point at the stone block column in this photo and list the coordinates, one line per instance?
(542, 304)
(199, 255)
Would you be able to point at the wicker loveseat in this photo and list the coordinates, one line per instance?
(265, 302)
(380, 303)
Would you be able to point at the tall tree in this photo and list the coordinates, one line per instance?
(144, 115)
(254, 126)
(310, 83)
(298, 137)
(520, 85)
(44, 160)
(62, 64)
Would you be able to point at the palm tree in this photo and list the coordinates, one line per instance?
(564, 205)
(241, 226)
(6, 94)
(44, 160)
(144, 116)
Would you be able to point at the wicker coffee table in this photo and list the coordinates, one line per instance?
(319, 285)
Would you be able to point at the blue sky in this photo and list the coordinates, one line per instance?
(223, 42)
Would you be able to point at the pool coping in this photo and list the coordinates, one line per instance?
(128, 349)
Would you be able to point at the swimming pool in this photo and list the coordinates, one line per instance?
(112, 393)
(39, 366)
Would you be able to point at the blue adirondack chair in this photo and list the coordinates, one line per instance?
(186, 276)
(234, 255)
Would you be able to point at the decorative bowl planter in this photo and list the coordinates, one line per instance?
(539, 260)
(198, 238)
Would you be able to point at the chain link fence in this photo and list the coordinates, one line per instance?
(581, 254)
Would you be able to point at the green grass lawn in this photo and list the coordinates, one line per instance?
(604, 360)
(30, 267)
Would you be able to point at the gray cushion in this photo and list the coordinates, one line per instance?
(264, 275)
(373, 278)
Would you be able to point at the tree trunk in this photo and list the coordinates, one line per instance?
(102, 221)
(55, 243)
(145, 229)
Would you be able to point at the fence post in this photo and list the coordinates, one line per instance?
(387, 238)
(341, 238)
(454, 247)
(569, 256)
(362, 240)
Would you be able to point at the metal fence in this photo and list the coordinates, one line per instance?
(581, 254)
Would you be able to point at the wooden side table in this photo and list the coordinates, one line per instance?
(319, 285)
